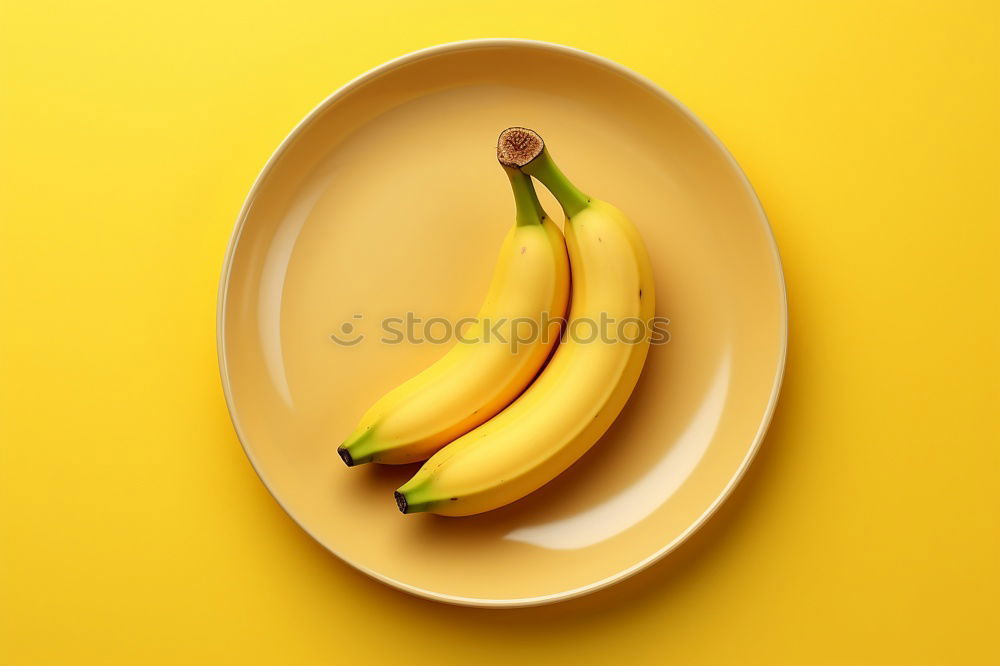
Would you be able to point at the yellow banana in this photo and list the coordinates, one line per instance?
(493, 361)
(587, 382)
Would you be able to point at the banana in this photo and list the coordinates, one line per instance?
(586, 383)
(493, 361)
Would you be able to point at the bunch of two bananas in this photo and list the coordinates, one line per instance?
(496, 422)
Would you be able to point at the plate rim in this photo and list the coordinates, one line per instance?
(649, 85)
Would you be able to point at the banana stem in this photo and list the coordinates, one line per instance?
(566, 193)
(529, 209)
(404, 504)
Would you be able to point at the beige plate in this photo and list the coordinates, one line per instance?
(387, 199)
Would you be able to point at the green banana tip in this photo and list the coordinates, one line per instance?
(517, 146)
(409, 499)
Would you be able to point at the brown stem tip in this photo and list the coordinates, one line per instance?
(517, 146)
(401, 501)
(345, 455)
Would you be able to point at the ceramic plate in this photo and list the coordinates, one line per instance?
(386, 200)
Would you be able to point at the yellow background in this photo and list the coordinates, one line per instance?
(132, 528)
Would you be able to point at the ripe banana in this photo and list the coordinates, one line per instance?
(493, 361)
(585, 385)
